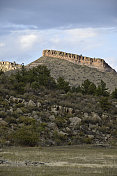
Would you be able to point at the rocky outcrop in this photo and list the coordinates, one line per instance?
(59, 124)
(7, 66)
(100, 64)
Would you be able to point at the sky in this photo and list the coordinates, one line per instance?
(87, 27)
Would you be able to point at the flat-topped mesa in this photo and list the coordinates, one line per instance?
(7, 66)
(100, 64)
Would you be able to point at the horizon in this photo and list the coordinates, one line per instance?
(54, 50)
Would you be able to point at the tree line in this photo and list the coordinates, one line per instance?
(37, 77)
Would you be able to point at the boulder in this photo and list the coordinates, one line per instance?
(52, 126)
(61, 133)
(35, 116)
(11, 109)
(31, 103)
(38, 104)
(95, 117)
(54, 111)
(68, 129)
(34, 113)
(91, 136)
(75, 121)
(86, 116)
(70, 110)
(3, 123)
(52, 118)
(19, 111)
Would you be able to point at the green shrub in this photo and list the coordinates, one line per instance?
(26, 136)
(26, 120)
(19, 105)
(60, 122)
(86, 140)
(102, 90)
(59, 138)
(114, 93)
(88, 87)
(62, 84)
(11, 120)
(105, 104)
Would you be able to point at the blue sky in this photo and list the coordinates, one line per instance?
(87, 27)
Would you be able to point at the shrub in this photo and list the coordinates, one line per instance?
(86, 140)
(11, 120)
(1, 72)
(88, 87)
(60, 122)
(102, 90)
(105, 104)
(76, 89)
(62, 84)
(26, 120)
(26, 136)
(59, 138)
(114, 93)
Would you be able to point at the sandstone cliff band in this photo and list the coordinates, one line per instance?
(100, 64)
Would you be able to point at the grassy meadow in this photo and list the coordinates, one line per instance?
(84, 160)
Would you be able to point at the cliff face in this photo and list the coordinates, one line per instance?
(7, 66)
(100, 64)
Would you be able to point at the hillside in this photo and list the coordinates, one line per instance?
(36, 110)
(76, 74)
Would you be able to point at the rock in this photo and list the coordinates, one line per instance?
(92, 126)
(2, 122)
(75, 132)
(52, 126)
(104, 116)
(75, 121)
(19, 111)
(36, 117)
(60, 108)
(86, 116)
(70, 110)
(52, 118)
(50, 142)
(34, 113)
(61, 133)
(91, 136)
(95, 117)
(11, 110)
(54, 111)
(2, 161)
(19, 100)
(31, 103)
(25, 103)
(14, 99)
(38, 104)
(68, 129)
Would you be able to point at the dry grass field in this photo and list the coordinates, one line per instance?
(86, 160)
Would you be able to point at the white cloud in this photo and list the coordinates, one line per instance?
(82, 33)
(18, 26)
(28, 44)
(2, 44)
(27, 41)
